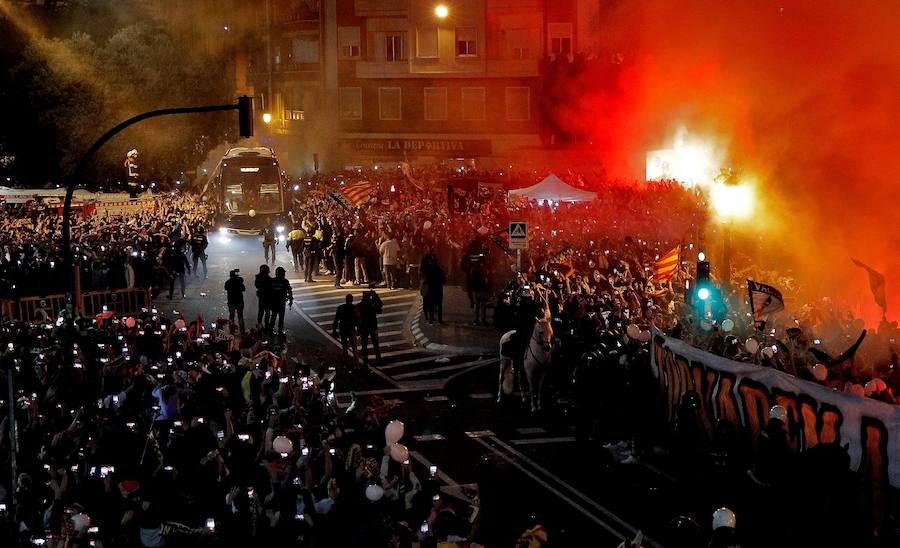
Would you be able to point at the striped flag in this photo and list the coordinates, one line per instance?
(354, 194)
(876, 284)
(667, 265)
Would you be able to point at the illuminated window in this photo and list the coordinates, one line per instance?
(473, 103)
(395, 46)
(518, 104)
(348, 41)
(350, 103)
(466, 42)
(560, 38)
(435, 103)
(389, 104)
(427, 42)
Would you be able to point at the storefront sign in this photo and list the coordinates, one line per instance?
(427, 147)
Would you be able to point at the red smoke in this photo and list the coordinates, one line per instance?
(804, 95)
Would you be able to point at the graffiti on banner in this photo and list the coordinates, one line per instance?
(742, 394)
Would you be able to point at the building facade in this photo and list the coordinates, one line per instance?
(360, 82)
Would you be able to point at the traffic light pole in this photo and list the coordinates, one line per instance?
(244, 106)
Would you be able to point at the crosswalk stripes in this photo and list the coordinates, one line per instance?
(402, 362)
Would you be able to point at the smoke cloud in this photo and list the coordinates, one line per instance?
(804, 97)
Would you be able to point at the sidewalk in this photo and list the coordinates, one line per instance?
(456, 335)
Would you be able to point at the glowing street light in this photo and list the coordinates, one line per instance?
(441, 11)
(731, 201)
(267, 118)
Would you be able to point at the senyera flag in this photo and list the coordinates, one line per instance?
(667, 265)
(764, 300)
(354, 194)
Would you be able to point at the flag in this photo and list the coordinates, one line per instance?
(876, 284)
(564, 261)
(764, 300)
(667, 265)
(355, 194)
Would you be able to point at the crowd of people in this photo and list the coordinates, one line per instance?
(158, 430)
(144, 246)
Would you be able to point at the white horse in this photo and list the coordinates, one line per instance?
(537, 358)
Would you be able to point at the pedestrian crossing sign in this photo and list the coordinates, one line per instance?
(518, 235)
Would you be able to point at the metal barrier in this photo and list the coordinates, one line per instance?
(37, 309)
(121, 301)
(46, 307)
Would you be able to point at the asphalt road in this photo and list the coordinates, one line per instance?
(527, 466)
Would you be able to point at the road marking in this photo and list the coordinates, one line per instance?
(429, 437)
(556, 492)
(482, 396)
(400, 352)
(542, 441)
(384, 343)
(529, 431)
(560, 482)
(435, 398)
(380, 324)
(417, 360)
(440, 473)
(337, 343)
(380, 391)
(422, 373)
(330, 314)
(333, 302)
(480, 434)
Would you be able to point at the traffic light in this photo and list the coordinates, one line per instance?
(702, 284)
(245, 116)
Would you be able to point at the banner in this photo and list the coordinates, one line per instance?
(742, 394)
(764, 300)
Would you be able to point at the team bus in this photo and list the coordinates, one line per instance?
(247, 188)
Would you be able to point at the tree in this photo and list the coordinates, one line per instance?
(73, 90)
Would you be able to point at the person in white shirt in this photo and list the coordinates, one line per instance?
(390, 254)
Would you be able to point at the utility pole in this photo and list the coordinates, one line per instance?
(244, 106)
(266, 104)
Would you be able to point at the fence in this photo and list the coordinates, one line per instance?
(121, 301)
(34, 308)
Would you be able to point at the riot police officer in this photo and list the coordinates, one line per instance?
(199, 242)
(281, 293)
(234, 288)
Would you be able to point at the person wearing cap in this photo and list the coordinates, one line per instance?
(199, 242)
(723, 524)
(281, 293)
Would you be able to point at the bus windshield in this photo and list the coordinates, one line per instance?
(251, 187)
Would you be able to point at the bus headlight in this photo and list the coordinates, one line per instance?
(281, 239)
(223, 231)
(279, 228)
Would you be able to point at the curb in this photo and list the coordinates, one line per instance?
(418, 338)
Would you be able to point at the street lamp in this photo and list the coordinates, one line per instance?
(732, 200)
(441, 11)
(267, 118)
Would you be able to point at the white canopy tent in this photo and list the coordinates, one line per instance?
(553, 189)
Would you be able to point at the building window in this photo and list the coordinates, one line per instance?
(560, 37)
(427, 42)
(518, 104)
(435, 103)
(348, 40)
(389, 104)
(473, 104)
(395, 46)
(517, 43)
(466, 42)
(305, 49)
(351, 103)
